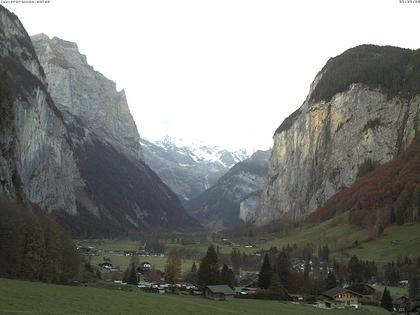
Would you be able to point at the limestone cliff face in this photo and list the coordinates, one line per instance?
(36, 160)
(331, 140)
(83, 92)
(80, 159)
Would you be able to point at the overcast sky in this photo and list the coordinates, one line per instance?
(226, 72)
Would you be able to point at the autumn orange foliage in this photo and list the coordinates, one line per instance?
(389, 194)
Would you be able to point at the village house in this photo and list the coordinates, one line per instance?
(366, 290)
(144, 267)
(106, 265)
(401, 304)
(340, 297)
(219, 292)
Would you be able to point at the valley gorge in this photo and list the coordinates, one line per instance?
(69, 143)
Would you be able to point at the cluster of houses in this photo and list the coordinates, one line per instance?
(247, 286)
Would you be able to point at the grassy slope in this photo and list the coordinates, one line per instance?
(382, 249)
(37, 298)
(343, 235)
(335, 232)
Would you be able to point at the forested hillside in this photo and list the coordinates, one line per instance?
(33, 246)
(387, 194)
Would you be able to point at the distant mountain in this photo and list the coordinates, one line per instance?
(188, 168)
(218, 207)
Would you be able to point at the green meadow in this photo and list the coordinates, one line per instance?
(20, 297)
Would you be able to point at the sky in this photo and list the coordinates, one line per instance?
(226, 72)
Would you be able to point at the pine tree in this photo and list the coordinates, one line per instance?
(276, 290)
(227, 276)
(331, 281)
(208, 272)
(355, 270)
(413, 289)
(235, 258)
(194, 267)
(284, 270)
(307, 269)
(173, 266)
(265, 274)
(132, 275)
(386, 301)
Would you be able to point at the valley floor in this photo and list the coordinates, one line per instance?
(20, 297)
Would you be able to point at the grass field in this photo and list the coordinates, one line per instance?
(19, 297)
(396, 241)
(124, 261)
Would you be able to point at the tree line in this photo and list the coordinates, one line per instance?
(34, 247)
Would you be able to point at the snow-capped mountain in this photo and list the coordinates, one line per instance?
(234, 197)
(188, 167)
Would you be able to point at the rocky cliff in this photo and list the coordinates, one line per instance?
(79, 90)
(219, 206)
(36, 161)
(69, 143)
(188, 168)
(362, 110)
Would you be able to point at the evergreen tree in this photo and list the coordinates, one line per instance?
(208, 272)
(194, 267)
(331, 281)
(265, 273)
(276, 290)
(192, 276)
(386, 301)
(355, 270)
(235, 258)
(227, 276)
(284, 270)
(132, 275)
(173, 266)
(307, 269)
(413, 289)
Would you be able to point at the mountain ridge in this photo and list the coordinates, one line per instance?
(188, 168)
(63, 119)
(218, 207)
(348, 119)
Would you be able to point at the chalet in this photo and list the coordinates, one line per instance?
(218, 292)
(296, 298)
(366, 290)
(401, 304)
(340, 297)
(144, 267)
(106, 265)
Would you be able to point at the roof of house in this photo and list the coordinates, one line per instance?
(400, 300)
(332, 293)
(222, 288)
